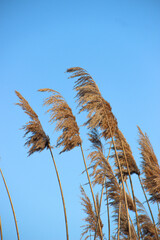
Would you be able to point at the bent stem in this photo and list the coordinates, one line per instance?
(14, 215)
(95, 205)
(1, 229)
(64, 208)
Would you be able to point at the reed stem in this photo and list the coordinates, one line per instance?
(99, 211)
(119, 213)
(109, 230)
(137, 222)
(120, 169)
(95, 205)
(101, 198)
(1, 229)
(64, 208)
(14, 215)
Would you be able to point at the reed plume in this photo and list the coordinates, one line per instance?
(99, 111)
(38, 141)
(147, 227)
(91, 219)
(102, 172)
(150, 167)
(125, 155)
(121, 216)
(90, 99)
(62, 114)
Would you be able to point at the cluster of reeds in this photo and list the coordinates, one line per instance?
(111, 163)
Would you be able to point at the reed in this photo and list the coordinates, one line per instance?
(38, 141)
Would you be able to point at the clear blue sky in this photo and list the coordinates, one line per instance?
(118, 42)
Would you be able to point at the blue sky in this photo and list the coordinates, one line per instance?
(117, 42)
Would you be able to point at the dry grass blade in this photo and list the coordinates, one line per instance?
(122, 145)
(62, 114)
(91, 100)
(91, 219)
(38, 140)
(150, 167)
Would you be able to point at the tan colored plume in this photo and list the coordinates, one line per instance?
(102, 169)
(147, 226)
(62, 114)
(124, 154)
(150, 167)
(90, 99)
(91, 219)
(123, 228)
(38, 140)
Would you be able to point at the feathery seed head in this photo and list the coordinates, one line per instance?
(90, 99)
(124, 154)
(150, 167)
(62, 114)
(91, 219)
(146, 225)
(38, 140)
